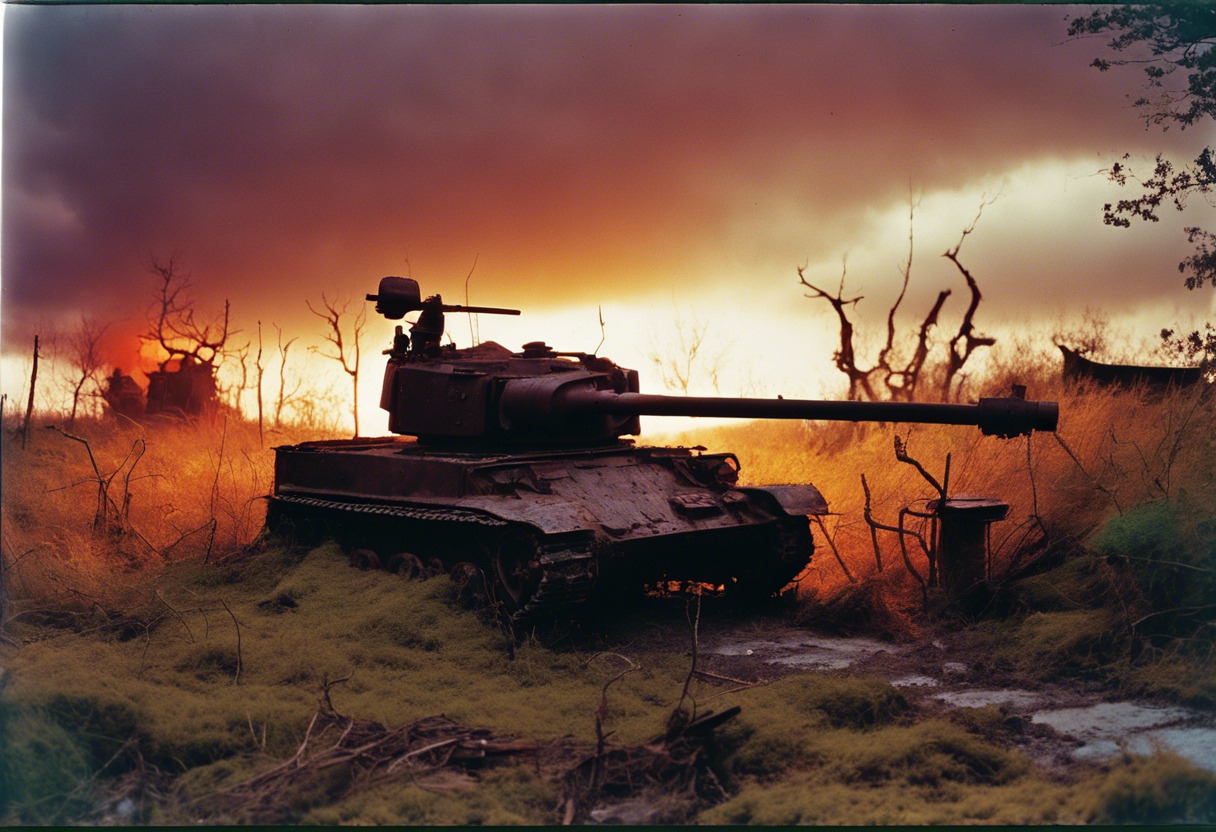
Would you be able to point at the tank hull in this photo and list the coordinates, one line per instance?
(549, 528)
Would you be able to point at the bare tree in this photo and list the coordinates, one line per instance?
(261, 371)
(284, 398)
(234, 391)
(900, 380)
(84, 345)
(347, 355)
(29, 408)
(846, 356)
(174, 325)
(689, 359)
(957, 355)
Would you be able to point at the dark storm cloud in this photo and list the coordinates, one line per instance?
(281, 149)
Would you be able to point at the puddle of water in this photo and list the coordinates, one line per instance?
(915, 681)
(745, 648)
(981, 698)
(800, 649)
(1195, 743)
(826, 660)
(1108, 720)
(1106, 728)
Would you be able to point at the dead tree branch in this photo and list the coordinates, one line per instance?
(284, 397)
(347, 356)
(846, 356)
(957, 356)
(902, 380)
(898, 530)
(173, 324)
(29, 408)
(261, 372)
(832, 545)
(942, 489)
(84, 345)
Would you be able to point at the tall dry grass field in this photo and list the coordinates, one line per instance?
(1114, 450)
(91, 515)
(140, 686)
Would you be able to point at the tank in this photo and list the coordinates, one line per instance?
(515, 467)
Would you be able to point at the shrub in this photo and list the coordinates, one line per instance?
(1163, 788)
(1169, 546)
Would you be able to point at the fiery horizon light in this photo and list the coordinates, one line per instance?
(668, 164)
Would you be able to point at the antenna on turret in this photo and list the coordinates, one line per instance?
(474, 339)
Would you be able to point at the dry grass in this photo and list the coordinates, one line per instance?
(218, 672)
(192, 492)
(1113, 451)
(91, 515)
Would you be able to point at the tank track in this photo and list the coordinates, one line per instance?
(567, 574)
(386, 509)
(792, 548)
(567, 579)
(795, 549)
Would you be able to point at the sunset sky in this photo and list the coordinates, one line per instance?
(663, 163)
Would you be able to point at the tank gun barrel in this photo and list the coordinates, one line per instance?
(479, 310)
(999, 416)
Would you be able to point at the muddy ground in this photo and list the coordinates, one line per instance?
(272, 695)
(1062, 726)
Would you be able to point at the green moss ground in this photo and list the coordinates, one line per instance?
(81, 710)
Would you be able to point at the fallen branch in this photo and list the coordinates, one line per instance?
(900, 531)
(236, 679)
(374, 754)
(832, 544)
(707, 674)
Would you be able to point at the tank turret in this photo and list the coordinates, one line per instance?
(540, 396)
(518, 474)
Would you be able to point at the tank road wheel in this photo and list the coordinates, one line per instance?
(514, 571)
(434, 568)
(470, 583)
(406, 565)
(293, 526)
(365, 559)
(788, 553)
(464, 572)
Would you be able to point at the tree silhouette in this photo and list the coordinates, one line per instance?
(285, 396)
(901, 381)
(173, 324)
(1175, 46)
(346, 353)
(84, 345)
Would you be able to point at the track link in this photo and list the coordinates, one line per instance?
(449, 515)
(567, 579)
(568, 573)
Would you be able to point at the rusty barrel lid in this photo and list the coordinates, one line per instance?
(966, 506)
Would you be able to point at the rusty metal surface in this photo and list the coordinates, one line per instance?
(795, 499)
(1080, 370)
(621, 493)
